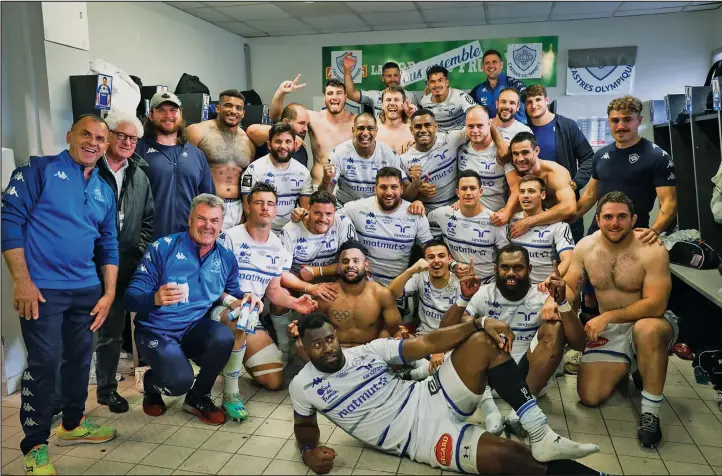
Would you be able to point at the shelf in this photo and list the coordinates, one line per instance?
(707, 117)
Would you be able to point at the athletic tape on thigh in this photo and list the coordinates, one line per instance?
(216, 313)
(268, 355)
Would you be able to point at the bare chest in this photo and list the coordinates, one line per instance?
(623, 272)
(395, 138)
(225, 149)
(325, 136)
(355, 312)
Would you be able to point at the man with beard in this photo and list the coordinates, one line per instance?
(426, 421)
(632, 283)
(543, 240)
(353, 164)
(329, 127)
(487, 93)
(291, 180)
(538, 344)
(228, 150)
(483, 154)
(507, 105)
(293, 114)
(386, 227)
(313, 243)
(261, 261)
(58, 216)
(469, 232)
(560, 140)
(560, 204)
(431, 161)
(363, 310)
(177, 170)
(447, 104)
(390, 77)
(393, 125)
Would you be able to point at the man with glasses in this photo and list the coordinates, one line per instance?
(178, 170)
(121, 169)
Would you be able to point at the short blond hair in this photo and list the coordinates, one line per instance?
(626, 105)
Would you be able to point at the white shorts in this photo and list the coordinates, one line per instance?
(233, 212)
(443, 439)
(616, 344)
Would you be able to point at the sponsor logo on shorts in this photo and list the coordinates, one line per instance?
(444, 449)
(600, 342)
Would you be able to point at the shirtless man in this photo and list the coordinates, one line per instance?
(632, 283)
(328, 128)
(228, 150)
(390, 77)
(363, 310)
(561, 203)
(293, 114)
(394, 129)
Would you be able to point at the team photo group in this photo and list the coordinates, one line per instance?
(413, 263)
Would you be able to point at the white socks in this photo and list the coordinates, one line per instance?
(546, 444)
(492, 416)
(651, 403)
(232, 371)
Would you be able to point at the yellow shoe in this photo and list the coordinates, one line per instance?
(87, 432)
(38, 462)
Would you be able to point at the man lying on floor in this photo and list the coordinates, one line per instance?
(355, 389)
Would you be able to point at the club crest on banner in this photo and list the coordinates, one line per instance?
(524, 60)
(358, 71)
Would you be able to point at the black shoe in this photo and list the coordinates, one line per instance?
(153, 404)
(115, 402)
(649, 431)
(205, 409)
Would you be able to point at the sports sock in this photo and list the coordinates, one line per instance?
(492, 416)
(651, 403)
(232, 371)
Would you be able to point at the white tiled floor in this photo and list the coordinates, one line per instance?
(177, 443)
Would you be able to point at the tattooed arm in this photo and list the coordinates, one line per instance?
(574, 276)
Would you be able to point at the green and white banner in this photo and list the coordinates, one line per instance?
(530, 59)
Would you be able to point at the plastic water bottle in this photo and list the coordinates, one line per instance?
(173, 281)
(182, 283)
(252, 321)
(242, 313)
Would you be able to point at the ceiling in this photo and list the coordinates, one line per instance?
(264, 19)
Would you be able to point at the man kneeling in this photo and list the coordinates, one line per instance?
(538, 345)
(174, 287)
(356, 390)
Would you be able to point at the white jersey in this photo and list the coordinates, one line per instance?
(364, 398)
(469, 237)
(291, 183)
(373, 99)
(440, 164)
(433, 302)
(356, 175)
(387, 236)
(540, 241)
(508, 133)
(258, 263)
(450, 114)
(310, 249)
(493, 174)
(523, 316)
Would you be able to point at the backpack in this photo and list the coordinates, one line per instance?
(694, 254)
(189, 84)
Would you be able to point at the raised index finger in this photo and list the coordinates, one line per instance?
(556, 268)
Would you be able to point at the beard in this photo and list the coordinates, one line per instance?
(505, 116)
(621, 236)
(388, 208)
(330, 367)
(515, 292)
(160, 128)
(281, 160)
(360, 276)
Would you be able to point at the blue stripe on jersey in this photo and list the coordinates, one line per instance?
(401, 354)
(451, 402)
(450, 164)
(406, 400)
(372, 377)
(458, 447)
(494, 177)
(524, 329)
(520, 243)
(384, 238)
(299, 260)
(255, 270)
(432, 307)
(406, 446)
(565, 249)
(479, 245)
(362, 182)
(280, 195)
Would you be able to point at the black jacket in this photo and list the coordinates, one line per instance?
(573, 151)
(136, 202)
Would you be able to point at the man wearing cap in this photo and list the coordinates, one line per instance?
(178, 170)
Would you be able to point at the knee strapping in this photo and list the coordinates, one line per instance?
(216, 313)
(268, 355)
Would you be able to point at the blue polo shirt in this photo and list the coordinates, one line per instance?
(546, 139)
(179, 256)
(485, 95)
(61, 220)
